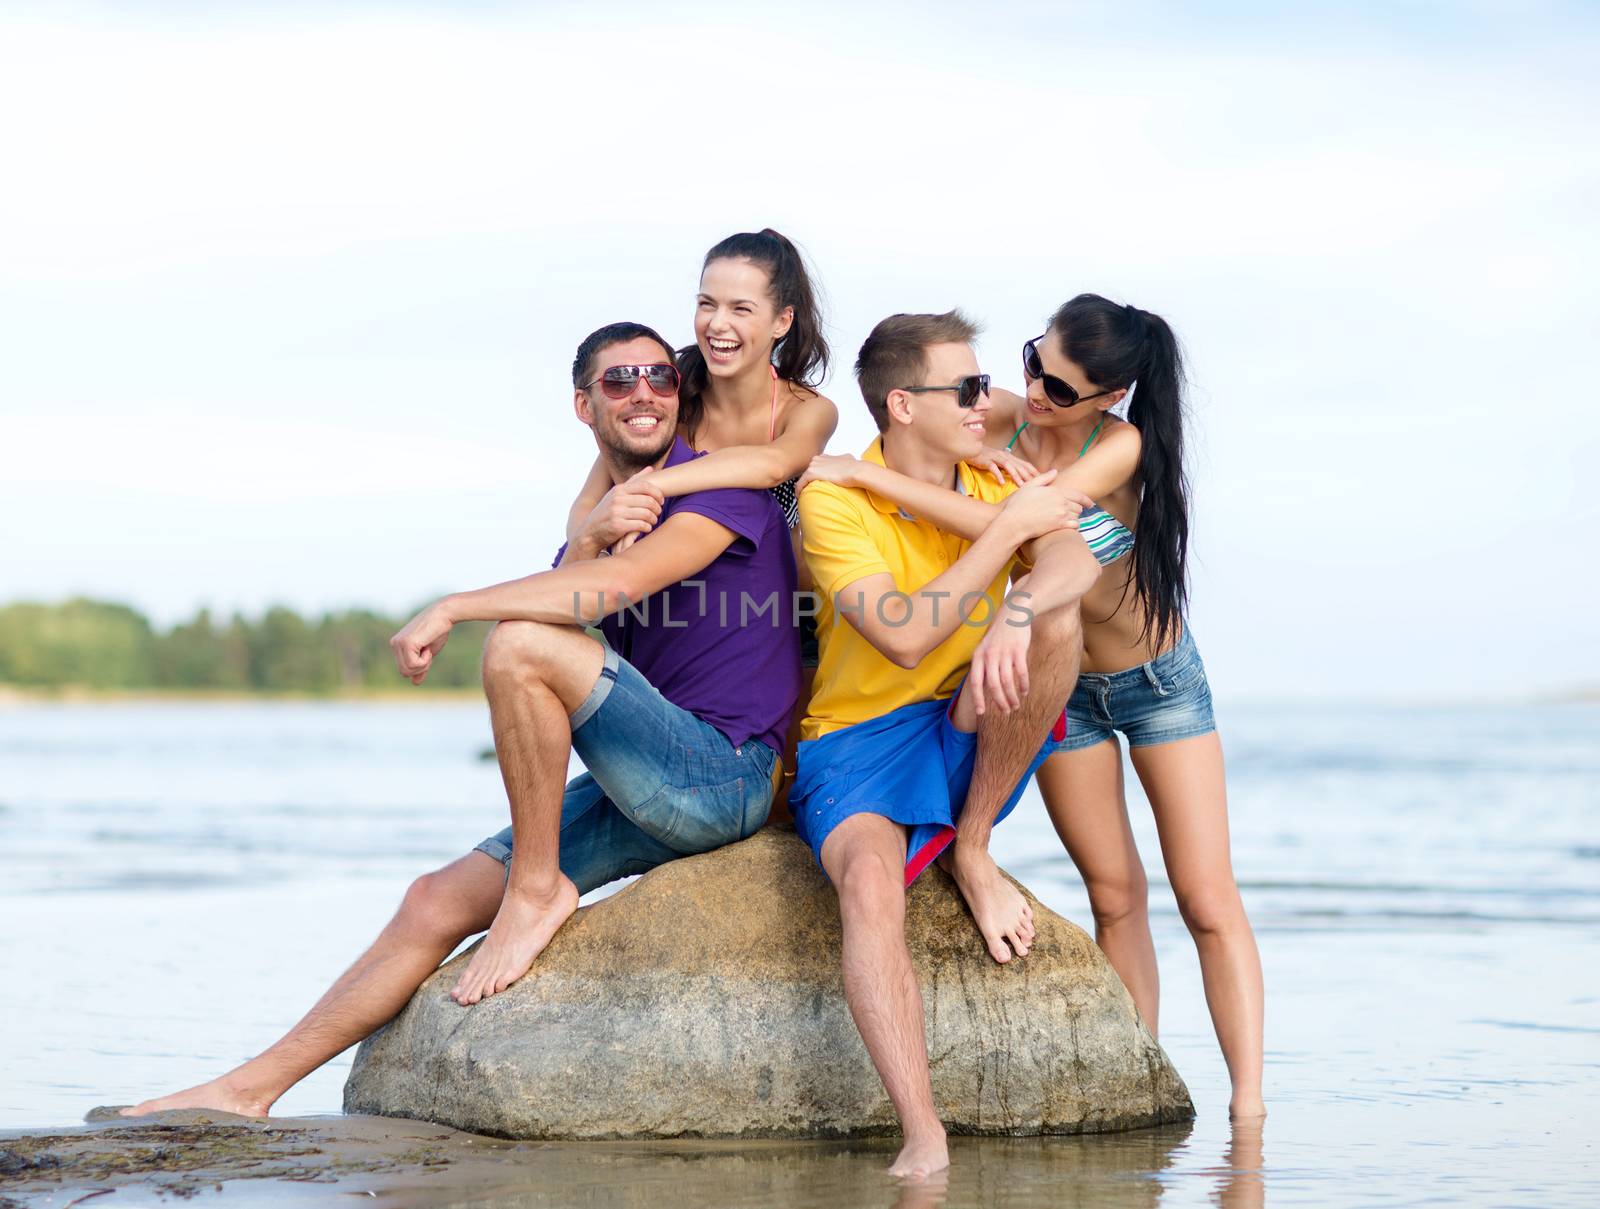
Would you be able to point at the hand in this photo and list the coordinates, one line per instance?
(628, 511)
(1040, 507)
(840, 468)
(1001, 462)
(422, 638)
(999, 673)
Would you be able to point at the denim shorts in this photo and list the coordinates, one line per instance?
(660, 784)
(1157, 702)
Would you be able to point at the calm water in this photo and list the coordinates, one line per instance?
(177, 882)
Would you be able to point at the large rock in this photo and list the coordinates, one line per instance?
(706, 1000)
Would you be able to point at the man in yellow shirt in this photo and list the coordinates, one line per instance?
(900, 762)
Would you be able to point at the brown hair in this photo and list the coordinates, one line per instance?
(800, 355)
(895, 355)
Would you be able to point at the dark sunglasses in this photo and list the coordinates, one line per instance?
(1059, 391)
(618, 381)
(967, 389)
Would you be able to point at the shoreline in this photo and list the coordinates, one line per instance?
(11, 694)
(184, 1153)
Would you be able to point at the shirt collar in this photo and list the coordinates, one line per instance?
(965, 483)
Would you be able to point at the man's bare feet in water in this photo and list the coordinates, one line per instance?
(921, 1156)
(1001, 913)
(226, 1094)
(522, 928)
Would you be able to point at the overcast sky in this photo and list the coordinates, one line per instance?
(288, 294)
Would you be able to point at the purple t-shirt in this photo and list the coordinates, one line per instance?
(722, 643)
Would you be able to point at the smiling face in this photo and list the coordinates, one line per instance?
(736, 321)
(941, 425)
(1045, 414)
(634, 432)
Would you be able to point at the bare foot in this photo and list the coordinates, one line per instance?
(522, 928)
(226, 1094)
(1001, 912)
(921, 1156)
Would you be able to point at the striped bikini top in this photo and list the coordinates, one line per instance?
(1107, 537)
(784, 493)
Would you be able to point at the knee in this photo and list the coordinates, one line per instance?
(430, 913)
(870, 889)
(513, 649)
(1118, 899)
(1211, 910)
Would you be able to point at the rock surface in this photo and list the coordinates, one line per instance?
(706, 1000)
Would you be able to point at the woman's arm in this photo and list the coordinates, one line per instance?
(1112, 461)
(806, 431)
(593, 491)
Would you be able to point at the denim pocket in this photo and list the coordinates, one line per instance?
(1182, 677)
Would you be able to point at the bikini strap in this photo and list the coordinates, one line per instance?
(772, 416)
(1015, 435)
(1092, 436)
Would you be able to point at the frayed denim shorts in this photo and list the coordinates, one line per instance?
(1157, 702)
(660, 784)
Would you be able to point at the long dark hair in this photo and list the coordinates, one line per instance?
(1115, 346)
(801, 356)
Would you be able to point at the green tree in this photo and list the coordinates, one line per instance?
(88, 642)
(96, 644)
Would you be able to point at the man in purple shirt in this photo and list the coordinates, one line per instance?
(680, 718)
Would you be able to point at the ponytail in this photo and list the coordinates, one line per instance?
(801, 354)
(1116, 346)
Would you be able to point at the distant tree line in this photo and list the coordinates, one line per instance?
(100, 645)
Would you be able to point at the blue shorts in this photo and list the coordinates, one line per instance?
(661, 784)
(911, 765)
(1156, 702)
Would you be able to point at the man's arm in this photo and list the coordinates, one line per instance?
(1064, 569)
(1062, 575)
(905, 622)
(627, 510)
(575, 593)
(590, 494)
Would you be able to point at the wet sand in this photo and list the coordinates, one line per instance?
(409, 1163)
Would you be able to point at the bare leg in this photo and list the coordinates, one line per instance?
(1007, 744)
(438, 912)
(535, 676)
(866, 858)
(1185, 783)
(1083, 792)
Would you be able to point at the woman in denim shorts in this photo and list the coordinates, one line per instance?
(1141, 676)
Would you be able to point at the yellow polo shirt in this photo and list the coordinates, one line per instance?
(849, 534)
